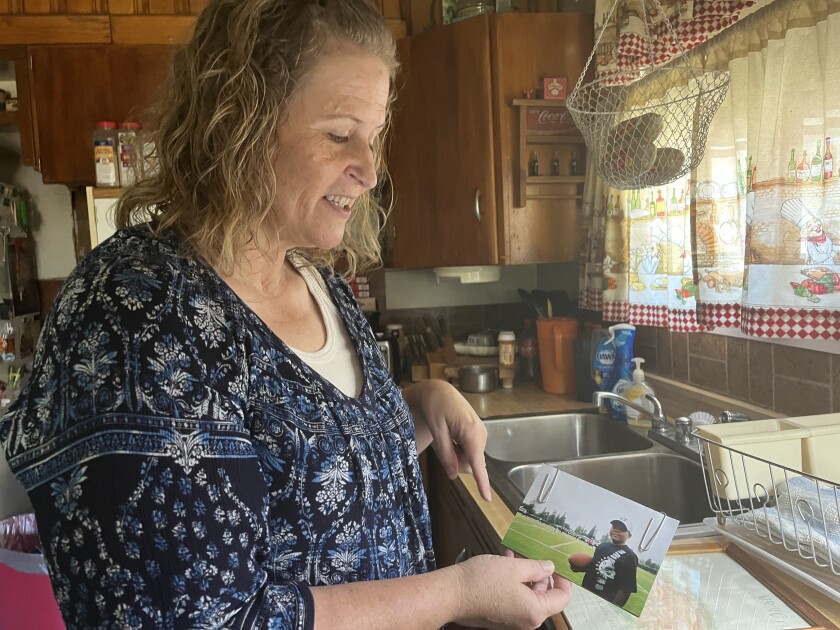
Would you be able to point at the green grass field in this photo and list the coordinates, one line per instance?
(535, 539)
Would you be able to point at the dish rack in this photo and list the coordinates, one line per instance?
(789, 517)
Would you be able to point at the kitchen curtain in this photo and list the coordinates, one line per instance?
(752, 245)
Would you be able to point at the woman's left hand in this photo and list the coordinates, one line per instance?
(444, 418)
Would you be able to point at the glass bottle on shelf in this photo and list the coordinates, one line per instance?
(804, 168)
(574, 169)
(791, 169)
(828, 160)
(534, 165)
(660, 204)
(816, 165)
(555, 163)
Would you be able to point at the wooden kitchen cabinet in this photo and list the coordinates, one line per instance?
(455, 138)
(458, 531)
(73, 87)
(21, 118)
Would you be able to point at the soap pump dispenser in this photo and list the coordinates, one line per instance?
(636, 393)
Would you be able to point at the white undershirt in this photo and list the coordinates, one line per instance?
(337, 361)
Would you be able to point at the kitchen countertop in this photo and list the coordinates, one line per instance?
(526, 398)
(523, 398)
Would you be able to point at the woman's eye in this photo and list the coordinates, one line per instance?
(336, 138)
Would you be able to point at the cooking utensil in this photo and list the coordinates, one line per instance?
(414, 349)
(478, 379)
(526, 297)
(561, 304)
(542, 302)
(444, 334)
(431, 337)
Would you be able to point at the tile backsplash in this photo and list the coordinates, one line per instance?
(789, 380)
(792, 381)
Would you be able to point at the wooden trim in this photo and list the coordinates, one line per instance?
(556, 179)
(105, 193)
(539, 102)
(545, 139)
(55, 29)
(397, 27)
(9, 118)
(781, 590)
(151, 29)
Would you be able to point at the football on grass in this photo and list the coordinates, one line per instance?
(579, 561)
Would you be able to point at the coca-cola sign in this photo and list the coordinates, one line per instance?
(549, 121)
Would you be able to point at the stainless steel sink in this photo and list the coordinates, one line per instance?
(665, 482)
(558, 437)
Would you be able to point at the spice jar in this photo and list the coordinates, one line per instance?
(507, 341)
(105, 154)
(127, 147)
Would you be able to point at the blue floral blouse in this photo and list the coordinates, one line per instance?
(188, 470)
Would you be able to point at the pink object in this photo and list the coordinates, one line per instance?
(26, 599)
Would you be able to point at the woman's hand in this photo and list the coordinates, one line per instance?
(443, 417)
(507, 592)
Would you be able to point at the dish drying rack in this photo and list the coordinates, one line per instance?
(786, 516)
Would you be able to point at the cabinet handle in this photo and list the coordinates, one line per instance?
(477, 204)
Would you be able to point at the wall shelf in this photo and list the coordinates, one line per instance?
(555, 128)
(556, 179)
(545, 139)
(555, 197)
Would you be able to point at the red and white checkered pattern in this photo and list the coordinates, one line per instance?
(755, 321)
(616, 311)
(719, 315)
(676, 319)
(708, 18)
(791, 322)
(683, 320)
(591, 299)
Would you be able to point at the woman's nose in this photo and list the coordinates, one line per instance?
(363, 167)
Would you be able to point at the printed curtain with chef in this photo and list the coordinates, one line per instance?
(756, 232)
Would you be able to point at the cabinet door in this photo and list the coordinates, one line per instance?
(526, 48)
(441, 154)
(22, 117)
(73, 87)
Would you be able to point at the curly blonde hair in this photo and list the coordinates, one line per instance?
(215, 127)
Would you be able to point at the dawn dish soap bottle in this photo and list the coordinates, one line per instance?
(622, 373)
(636, 393)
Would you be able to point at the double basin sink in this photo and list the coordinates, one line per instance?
(592, 447)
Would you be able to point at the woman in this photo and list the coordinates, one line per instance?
(209, 436)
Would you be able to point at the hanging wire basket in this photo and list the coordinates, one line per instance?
(646, 126)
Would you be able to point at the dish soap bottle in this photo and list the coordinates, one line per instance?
(636, 393)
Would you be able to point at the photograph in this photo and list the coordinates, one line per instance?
(603, 542)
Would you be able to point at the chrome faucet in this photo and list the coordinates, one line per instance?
(659, 424)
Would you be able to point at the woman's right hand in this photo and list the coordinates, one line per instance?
(502, 592)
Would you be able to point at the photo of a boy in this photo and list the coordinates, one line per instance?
(611, 573)
(588, 533)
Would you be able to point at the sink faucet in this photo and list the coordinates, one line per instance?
(659, 423)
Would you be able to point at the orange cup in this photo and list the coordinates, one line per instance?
(556, 337)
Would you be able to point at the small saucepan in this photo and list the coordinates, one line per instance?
(479, 379)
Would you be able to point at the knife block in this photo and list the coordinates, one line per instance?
(439, 359)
